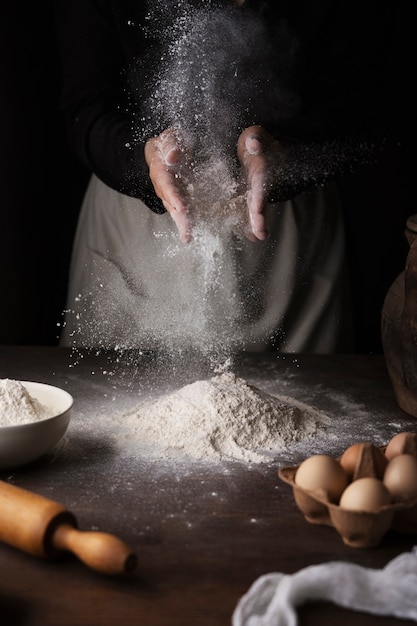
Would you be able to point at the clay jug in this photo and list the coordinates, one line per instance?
(399, 327)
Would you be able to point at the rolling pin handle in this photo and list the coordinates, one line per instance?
(101, 551)
(43, 527)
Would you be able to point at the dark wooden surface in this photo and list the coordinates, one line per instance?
(202, 534)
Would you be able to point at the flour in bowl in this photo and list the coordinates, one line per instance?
(221, 418)
(18, 406)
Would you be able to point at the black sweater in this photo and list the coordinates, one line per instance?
(327, 57)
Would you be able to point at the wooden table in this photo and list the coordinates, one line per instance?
(203, 535)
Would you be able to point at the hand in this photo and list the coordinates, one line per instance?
(260, 155)
(166, 157)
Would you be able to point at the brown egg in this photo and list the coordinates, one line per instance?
(366, 494)
(321, 471)
(400, 477)
(401, 443)
(363, 459)
(350, 457)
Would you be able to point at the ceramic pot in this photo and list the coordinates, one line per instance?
(399, 327)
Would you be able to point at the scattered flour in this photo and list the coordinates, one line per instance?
(17, 406)
(221, 418)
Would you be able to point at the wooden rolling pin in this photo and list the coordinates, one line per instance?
(43, 528)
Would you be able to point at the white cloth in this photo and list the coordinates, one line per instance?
(134, 284)
(272, 599)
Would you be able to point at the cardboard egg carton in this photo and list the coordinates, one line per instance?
(358, 529)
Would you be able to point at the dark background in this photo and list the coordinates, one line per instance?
(42, 184)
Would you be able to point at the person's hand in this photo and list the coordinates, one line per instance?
(165, 158)
(260, 156)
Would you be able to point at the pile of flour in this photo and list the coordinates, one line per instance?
(220, 418)
(17, 406)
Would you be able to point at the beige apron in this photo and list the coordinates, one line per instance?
(133, 284)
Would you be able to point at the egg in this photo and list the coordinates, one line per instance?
(363, 459)
(321, 471)
(350, 458)
(367, 494)
(401, 443)
(400, 477)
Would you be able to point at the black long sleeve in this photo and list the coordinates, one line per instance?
(337, 58)
(96, 48)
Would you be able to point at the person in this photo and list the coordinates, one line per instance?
(215, 132)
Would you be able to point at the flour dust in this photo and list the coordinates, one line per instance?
(213, 79)
(220, 418)
(221, 69)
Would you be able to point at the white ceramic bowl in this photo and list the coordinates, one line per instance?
(23, 443)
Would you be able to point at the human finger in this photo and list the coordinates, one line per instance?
(252, 154)
(165, 158)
